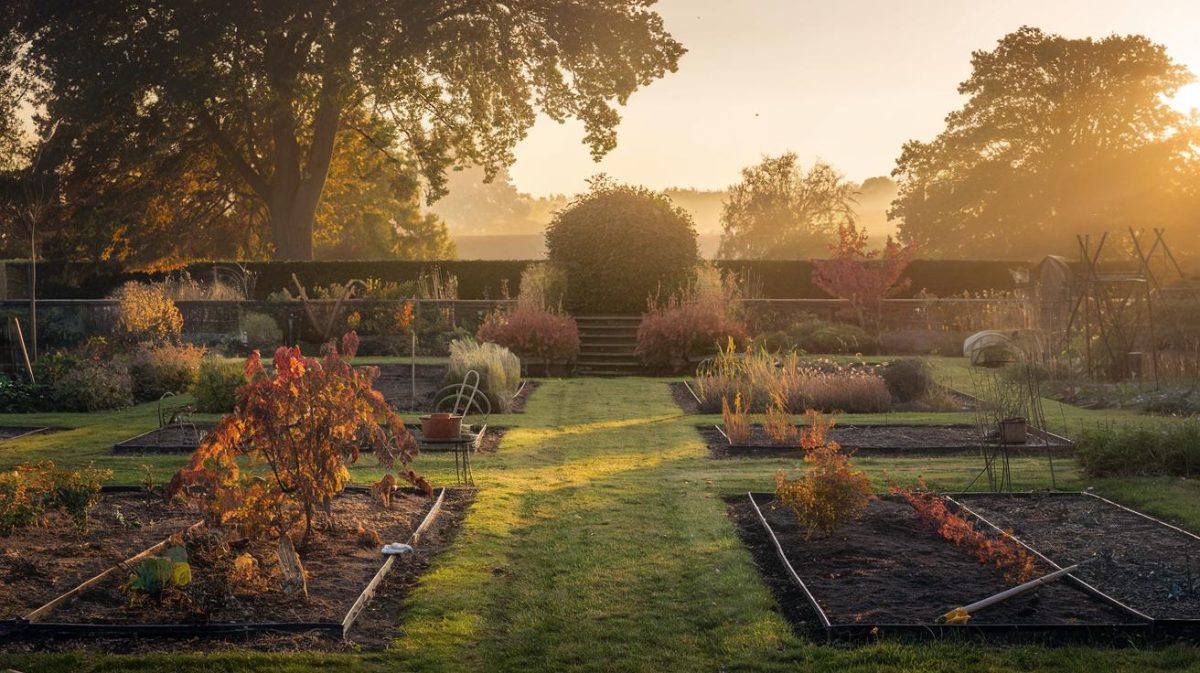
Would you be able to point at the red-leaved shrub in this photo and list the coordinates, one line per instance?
(695, 326)
(532, 332)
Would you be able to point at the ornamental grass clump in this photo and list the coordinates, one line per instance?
(831, 492)
(765, 380)
(499, 370)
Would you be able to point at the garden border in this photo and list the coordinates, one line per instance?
(854, 631)
(1191, 625)
(24, 627)
(129, 447)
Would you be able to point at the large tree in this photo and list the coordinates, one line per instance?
(1058, 136)
(781, 211)
(264, 87)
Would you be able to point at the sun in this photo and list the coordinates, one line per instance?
(1187, 99)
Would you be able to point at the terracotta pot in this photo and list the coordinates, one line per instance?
(441, 426)
(1013, 430)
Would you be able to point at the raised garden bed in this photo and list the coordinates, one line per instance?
(174, 438)
(39, 563)
(887, 574)
(1147, 564)
(11, 432)
(884, 440)
(396, 383)
(347, 579)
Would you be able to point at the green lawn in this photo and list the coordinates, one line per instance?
(599, 542)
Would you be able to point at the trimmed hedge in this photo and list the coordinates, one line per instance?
(484, 279)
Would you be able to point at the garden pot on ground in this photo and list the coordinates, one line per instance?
(441, 426)
(1013, 430)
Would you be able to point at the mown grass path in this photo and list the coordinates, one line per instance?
(599, 542)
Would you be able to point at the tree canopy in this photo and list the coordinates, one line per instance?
(240, 108)
(781, 211)
(1058, 137)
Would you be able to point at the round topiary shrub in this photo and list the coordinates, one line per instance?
(619, 245)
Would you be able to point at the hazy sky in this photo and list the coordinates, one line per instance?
(847, 81)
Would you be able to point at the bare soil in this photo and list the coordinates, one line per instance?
(175, 438)
(888, 568)
(1142, 563)
(948, 400)
(338, 565)
(873, 440)
(37, 564)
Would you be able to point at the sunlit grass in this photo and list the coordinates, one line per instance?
(599, 542)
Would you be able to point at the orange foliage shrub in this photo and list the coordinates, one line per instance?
(286, 448)
(831, 492)
(1007, 557)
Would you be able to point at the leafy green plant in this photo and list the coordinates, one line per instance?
(1141, 449)
(217, 381)
(155, 576)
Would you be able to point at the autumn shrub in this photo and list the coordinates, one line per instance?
(830, 493)
(146, 312)
(618, 245)
(93, 385)
(861, 276)
(696, 323)
(31, 490)
(287, 447)
(76, 492)
(156, 369)
(736, 420)
(1012, 562)
(216, 384)
(261, 331)
(1142, 449)
(499, 370)
(532, 332)
(779, 426)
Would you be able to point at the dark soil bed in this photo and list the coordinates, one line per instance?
(38, 564)
(176, 438)
(889, 569)
(684, 398)
(338, 567)
(1144, 564)
(395, 382)
(876, 440)
(9, 432)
